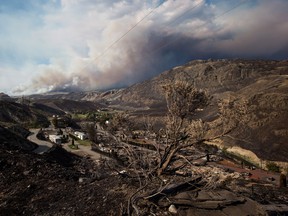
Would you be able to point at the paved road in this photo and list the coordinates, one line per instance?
(43, 146)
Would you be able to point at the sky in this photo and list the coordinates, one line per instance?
(82, 45)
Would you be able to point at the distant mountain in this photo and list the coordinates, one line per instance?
(99, 98)
(66, 105)
(58, 95)
(215, 76)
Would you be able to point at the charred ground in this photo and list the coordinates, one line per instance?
(57, 183)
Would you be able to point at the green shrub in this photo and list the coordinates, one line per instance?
(273, 167)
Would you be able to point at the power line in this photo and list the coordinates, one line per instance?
(135, 25)
(215, 18)
(126, 33)
(121, 37)
(171, 41)
(186, 12)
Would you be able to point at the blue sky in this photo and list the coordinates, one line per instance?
(52, 45)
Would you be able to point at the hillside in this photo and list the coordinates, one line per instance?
(17, 113)
(67, 105)
(264, 84)
(5, 97)
(215, 76)
(14, 140)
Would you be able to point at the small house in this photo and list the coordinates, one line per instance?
(56, 139)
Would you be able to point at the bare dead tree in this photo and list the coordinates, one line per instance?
(139, 162)
(182, 130)
(149, 124)
(182, 101)
(120, 122)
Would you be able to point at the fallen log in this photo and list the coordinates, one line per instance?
(208, 204)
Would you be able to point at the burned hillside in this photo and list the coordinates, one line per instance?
(263, 84)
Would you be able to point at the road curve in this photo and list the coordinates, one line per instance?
(43, 146)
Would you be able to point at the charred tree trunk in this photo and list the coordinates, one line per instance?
(167, 161)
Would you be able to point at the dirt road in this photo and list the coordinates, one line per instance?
(82, 151)
(43, 146)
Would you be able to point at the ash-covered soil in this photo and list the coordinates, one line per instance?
(61, 183)
(57, 183)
